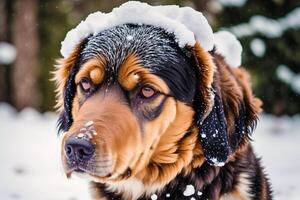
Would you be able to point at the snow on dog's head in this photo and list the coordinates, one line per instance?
(180, 21)
(188, 25)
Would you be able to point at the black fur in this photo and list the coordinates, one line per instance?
(158, 51)
(211, 182)
(213, 133)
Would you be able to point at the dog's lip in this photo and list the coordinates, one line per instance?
(82, 170)
(77, 169)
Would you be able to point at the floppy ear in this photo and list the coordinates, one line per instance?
(226, 111)
(210, 117)
(213, 134)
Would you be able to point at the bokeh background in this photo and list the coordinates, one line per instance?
(30, 36)
(268, 30)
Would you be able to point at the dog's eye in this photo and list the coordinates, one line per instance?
(147, 92)
(85, 85)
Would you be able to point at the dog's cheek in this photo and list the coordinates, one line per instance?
(118, 138)
(153, 130)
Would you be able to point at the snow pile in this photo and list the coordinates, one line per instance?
(268, 27)
(228, 46)
(289, 77)
(187, 24)
(8, 53)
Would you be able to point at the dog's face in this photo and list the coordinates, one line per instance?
(133, 104)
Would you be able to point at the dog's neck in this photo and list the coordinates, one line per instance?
(194, 182)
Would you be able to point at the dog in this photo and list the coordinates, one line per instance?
(143, 119)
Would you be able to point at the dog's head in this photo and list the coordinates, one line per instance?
(134, 104)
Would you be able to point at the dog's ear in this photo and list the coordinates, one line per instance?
(226, 111)
(210, 118)
(213, 133)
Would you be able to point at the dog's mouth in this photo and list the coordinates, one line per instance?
(101, 177)
(103, 168)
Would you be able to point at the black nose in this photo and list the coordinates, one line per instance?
(79, 149)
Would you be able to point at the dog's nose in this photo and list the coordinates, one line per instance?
(79, 149)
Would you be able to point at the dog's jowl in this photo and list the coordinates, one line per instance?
(143, 118)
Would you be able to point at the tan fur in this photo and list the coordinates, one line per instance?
(131, 73)
(75, 106)
(109, 140)
(173, 151)
(93, 69)
(163, 141)
(163, 149)
(61, 73)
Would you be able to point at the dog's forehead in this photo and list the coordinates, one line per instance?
(152, 45)
(155, 50)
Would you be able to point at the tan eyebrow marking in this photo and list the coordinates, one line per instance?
(94, 69)
(131, 73)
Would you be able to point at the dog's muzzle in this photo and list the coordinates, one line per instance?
(79, 149)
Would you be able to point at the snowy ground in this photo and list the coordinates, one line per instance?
(30, 165)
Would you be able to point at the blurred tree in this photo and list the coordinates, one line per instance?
(25, 69)
(271, 49)
(3, 21)
(5, 35)
(54, 21)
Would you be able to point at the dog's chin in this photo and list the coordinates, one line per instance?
(87, 176)
(102, 177)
